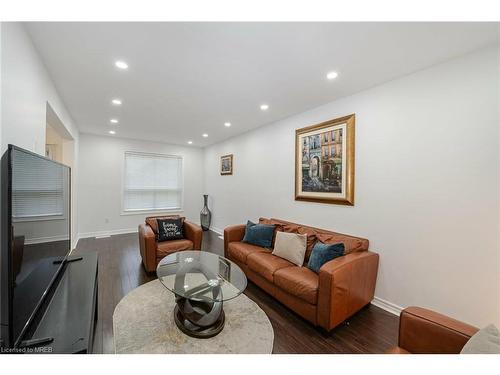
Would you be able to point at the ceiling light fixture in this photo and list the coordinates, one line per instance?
(332, 75)
(113, 121)
(205, 135)
(190, 142)
(264, 107)
(227, 124)
(112, 132)
(116, 102)
(121, 64)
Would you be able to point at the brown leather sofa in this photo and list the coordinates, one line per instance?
(153, 251)
(343, 286)
(423, 331)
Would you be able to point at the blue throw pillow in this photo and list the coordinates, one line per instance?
(322, 253)
(259, 234)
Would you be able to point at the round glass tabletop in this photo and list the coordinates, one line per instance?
(201, 276)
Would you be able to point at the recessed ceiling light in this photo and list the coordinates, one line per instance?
(113, 121)
(227, 124)
(116, 102)
(121, 64)
(332, 75)
(190, 142)
(264, 107)
(205, 135)
(112, 132)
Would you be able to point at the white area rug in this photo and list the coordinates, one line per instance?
(143, 322)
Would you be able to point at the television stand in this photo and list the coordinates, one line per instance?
(67, 324)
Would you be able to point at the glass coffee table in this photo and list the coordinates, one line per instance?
(201, 282)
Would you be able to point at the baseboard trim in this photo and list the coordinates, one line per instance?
(387, 306)
(34, 241)
(219, 231)
(106, 233)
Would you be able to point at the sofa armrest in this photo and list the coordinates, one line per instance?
(423, 331)
(233, 233)
(346, 284)
(194, 233)
(147, 246)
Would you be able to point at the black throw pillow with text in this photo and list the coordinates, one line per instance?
(170, 229)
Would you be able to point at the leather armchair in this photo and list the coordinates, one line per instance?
(423, 331)
(153, 251)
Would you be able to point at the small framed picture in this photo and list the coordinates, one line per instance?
(226, 164)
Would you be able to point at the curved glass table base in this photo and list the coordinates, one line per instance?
(199, 319)
(201, 282)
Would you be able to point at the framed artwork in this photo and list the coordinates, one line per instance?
(226, 164)
(324, 162)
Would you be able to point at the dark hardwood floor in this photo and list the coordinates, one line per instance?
(372, 330)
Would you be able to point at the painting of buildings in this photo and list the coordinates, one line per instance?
(322, 162)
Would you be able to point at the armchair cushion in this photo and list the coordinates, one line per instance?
(168, 247)
(485, 341)
(170, 229)
(153, 223)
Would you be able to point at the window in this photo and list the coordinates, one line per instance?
(152, 182)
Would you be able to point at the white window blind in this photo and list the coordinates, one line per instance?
(37, 187)
(152, 182)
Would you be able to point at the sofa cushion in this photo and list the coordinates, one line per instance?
(266, 264)
(259, 234)
(351, 244)
(323, 253)
(298, 281)
(169, 247)
(291, 246)
(293, 228)
(151, 221)
(241, 250)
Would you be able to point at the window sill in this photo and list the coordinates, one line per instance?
(152, 212)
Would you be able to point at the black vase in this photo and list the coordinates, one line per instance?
(205, 214)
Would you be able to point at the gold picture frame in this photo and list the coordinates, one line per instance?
(324, 162)
(226, 165)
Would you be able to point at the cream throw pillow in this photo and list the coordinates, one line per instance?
(291, 246)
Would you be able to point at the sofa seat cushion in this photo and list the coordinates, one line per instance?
(168, 247)
(266, 264)
(300, 282)
(241, 250)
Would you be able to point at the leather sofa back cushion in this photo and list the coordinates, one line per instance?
(151, 221)
(351, 244)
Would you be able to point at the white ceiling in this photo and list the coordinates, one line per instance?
(185, 79)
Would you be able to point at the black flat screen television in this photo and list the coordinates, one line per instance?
(36, 227)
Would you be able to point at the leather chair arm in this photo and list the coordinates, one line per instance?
(346, 284)
(423, 331)
(233, 233)
(194, 233)
(147, 246)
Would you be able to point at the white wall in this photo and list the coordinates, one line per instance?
(26, 89)
(427, 182)
(101, 164)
